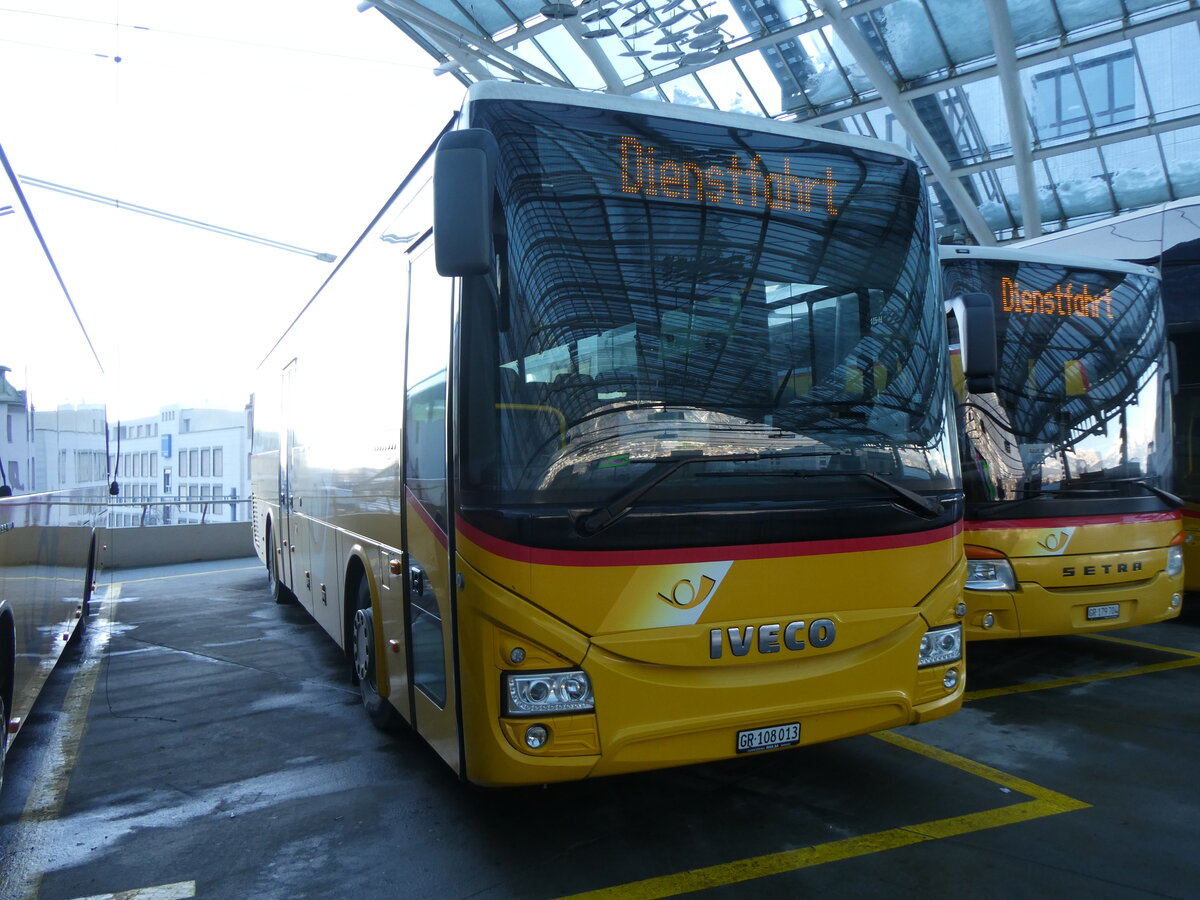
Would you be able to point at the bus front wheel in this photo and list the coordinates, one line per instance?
(366, 669)
(279, 591)
(3, 737)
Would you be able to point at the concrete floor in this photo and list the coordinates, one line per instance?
(203, 741)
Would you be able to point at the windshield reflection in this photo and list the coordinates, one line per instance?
(623, 330)
(1081, 401)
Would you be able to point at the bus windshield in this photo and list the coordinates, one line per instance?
(762, 305)
(1080, 409)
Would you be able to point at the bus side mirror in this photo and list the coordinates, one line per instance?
(464, 170)
(976, 317)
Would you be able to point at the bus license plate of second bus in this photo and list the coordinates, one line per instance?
(768, 738)
(1106, 611)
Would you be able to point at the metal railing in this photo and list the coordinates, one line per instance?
(179, 511)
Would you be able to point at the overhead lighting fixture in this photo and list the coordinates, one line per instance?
(559, 11)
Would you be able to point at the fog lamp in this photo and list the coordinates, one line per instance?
(1176, 601)
(950, 679)
(536, 736)
(961, 609)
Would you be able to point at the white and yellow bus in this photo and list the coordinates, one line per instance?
(1067, 458)
(53, 464)
(623, 438)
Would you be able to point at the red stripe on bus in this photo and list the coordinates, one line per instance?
(538, 556)
(1075, 521)
(424, 516)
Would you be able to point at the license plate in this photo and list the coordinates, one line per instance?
(1107, 611)
(768, 738)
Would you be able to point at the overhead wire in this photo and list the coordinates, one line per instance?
(16, 185)
(172, 217)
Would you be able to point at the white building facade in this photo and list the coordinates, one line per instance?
(182, 454)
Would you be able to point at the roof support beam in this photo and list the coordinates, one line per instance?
(596, 56)
(462, 39)
(1005, 46)
(903, 110)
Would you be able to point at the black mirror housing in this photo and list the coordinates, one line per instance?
(464, 176)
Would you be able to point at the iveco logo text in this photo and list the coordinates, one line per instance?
(771, 638)
(1072, 571)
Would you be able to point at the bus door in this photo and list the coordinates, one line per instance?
(287, 532)
(428, 523)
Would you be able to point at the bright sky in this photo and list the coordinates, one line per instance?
(291, 120)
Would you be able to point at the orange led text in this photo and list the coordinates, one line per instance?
(741, 181)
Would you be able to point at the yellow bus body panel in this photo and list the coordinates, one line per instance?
(1063, 567)
(1191, 547)
(661, 699)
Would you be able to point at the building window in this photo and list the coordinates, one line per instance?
(194, 462)
(10, 423)
(1104, 88)
(205, 463)
(218, 465)
(166, 482)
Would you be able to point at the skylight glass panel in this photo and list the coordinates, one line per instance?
(1079, 182)
(488, 16)
(730, 90)
(1164, 55)
(905, 29)
(686, 91)
(983, 102)
(831, 65)
(1033, 21)
(1138, 178)
(1182, 151)
(961, 26)
(532, 54)
(577, 68)
(996, 192)
(1085, 13)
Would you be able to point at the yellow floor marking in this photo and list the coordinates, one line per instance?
(191, 574)
(180, 890)
(49, 790)
(1045, 802)
(1113, 639)
(1190, 660)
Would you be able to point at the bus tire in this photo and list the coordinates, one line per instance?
(366, 669)
(3, 737)
(279, 591)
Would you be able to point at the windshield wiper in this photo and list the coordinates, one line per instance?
(1101, 487)
(1164, 495)
(589, 522)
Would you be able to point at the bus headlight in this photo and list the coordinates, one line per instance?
(990, 575)
(940, 646)
(547, 693)
(1174, 560)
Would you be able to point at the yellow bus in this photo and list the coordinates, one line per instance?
(1167, 236)
(53, 464)
(1067, 458)
(623, 438)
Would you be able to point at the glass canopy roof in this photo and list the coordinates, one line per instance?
(1029, 116)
